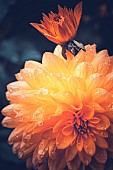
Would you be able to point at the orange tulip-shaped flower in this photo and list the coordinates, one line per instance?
(62, 27)
(62, 111)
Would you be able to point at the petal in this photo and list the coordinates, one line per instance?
(64, 97)
(88, 112)
(78, 12)
(90, 52)
(68, 115)
(99, 60)
(17, 133)
(83, 70)
(96, 165)
(42, 150)
(16, 147)
(96, 107)
(101, 142)
(9, 122)
(67, 130)
(101, 155)
(57, 163)
(53, 63)
(94, 120)
(63, 142)
(89, 146)
(102, 133)
(100, 95)
(76, 83)
(58, 52)
(8, 111)
(76, 60)
(52, 149)
(95, 80)
(28, 76)
(109, 115)
(32, 64)
(17, 85)
(74, 164)
(48, 134)
(110, 142)
(29, 163)
(104, 122)
(27, 152)
(70, 153)
(84, 157)
(79, 143)
(108, 85)
(59, 125)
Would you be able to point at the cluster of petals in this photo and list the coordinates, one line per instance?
(62, 27)
(62, 111)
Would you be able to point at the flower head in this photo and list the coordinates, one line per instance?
(63, 109)
(60, 27)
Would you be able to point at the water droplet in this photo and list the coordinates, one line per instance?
(35, 116)
(90, 152)
(27, 136)
(16, 136)
(19, 118)
(42, 91)
(22, 96)
(99, 66)
(10, 90)
(40, 123)
(48, 117)
(4, 124)
(86, 162)
(77, 59)
(10, 141)
(111, 106)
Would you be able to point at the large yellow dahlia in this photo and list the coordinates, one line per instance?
(62, 111)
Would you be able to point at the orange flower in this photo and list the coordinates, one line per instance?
(63, 110)
(62, 27)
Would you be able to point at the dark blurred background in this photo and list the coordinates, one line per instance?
(19, 42)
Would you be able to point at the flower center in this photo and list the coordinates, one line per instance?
(81, 126)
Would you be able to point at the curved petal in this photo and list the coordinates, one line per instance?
(100, 95)
(54, 63)
(89, 146)
(74, 164)
(101, 142)
(79, 143)
(101, 155)
(104, 122)
(64, 97)
(67, 130)
(88, 112)
(52, 149)
(78, 12)
(70, 152)
(83, 70)
(57, 163)
(84, 157)
(63, 142)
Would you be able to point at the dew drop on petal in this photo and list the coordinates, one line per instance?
(10, 90)
(86, 162)
(48, 117)
(40, 123)
(22, 96)
(28, 136)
